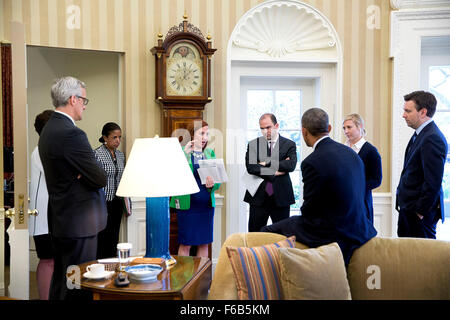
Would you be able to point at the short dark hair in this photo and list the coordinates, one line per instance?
(107, 129)
(315, 120)
(271, 115)
(41, 119)
(423, 99)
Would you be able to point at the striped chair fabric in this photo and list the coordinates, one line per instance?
(257, 270)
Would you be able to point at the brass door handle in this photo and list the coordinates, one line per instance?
(10, 213)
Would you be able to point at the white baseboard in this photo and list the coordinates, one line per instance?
(382, 213)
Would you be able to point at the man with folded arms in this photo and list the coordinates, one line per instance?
(76, 207)
(270, 157)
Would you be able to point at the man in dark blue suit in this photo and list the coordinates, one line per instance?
(420, 200)
(333, 207)
(76, 205)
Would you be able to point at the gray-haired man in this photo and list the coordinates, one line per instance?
(76, 208)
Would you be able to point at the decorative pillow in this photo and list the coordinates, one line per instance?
(257, 270)
(314, 274)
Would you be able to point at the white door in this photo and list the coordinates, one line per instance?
(287, 90)
(18, 231)
(287, 99)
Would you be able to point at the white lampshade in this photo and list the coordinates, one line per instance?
(156, 167)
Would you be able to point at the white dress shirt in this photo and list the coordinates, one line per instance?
(67, 116)
(315, 144)
(38, 196)
(357, 146)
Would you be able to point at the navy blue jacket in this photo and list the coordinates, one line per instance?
(76, 207)
(372, 168)
(334, 208)
(420, 186)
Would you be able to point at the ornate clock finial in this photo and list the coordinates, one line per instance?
(160, 38)
(208, 42)
(185, 16)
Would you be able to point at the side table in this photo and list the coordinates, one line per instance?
(189, 279)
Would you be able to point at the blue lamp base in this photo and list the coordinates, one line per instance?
(158, 229)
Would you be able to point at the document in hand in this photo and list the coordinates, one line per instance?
(214, 168)
(251, 182)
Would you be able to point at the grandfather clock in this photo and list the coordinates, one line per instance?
(183, 84)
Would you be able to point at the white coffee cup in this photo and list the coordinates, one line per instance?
(96, 269)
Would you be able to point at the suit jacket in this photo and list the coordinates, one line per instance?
(76, 207)
(420, 186)
(334, 208)
(257, 151)
(372, 169)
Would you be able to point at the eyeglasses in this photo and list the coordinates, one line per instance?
(85, 100)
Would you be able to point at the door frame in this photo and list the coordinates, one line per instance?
(408, 26)
(325, 77)
(18, 230)
(254, 25)
(21, 287)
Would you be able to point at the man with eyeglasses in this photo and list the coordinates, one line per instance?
(76, 207)
(270, 157)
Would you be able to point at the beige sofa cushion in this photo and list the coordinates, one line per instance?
(314, 274)
(400, 268)
(223, 285)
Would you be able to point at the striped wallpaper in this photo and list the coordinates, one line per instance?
(131, 26)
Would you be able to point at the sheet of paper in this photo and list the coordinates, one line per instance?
(214, 168)
(251, 182)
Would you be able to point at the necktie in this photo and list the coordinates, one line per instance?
(269, 186)
(410, 144)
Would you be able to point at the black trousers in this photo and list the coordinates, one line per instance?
(259, 215)
(109, 237)
(68, 252)
(410, 225)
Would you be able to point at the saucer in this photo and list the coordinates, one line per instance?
(104, 275)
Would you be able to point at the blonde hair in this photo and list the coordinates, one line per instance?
(358, 121)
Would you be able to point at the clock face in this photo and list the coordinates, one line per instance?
(184, 75)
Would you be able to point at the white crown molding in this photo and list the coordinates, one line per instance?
(411, 4)
(410, 19)
(279, 28)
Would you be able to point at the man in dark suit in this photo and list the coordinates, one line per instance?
(270, 157)
(76, 208)
(420, 200)
(334, 208)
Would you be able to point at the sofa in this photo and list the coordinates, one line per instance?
(407, 268)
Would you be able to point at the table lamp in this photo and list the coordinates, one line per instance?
(157, 169)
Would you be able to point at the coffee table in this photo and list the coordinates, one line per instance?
(189, 279)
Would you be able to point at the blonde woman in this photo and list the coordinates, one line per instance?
(353, 126)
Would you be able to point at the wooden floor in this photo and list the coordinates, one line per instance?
(34, 294)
